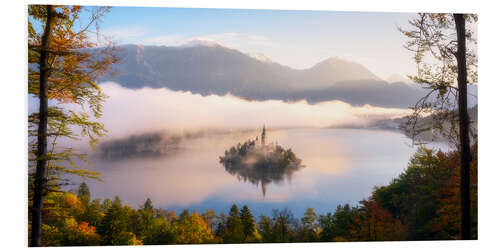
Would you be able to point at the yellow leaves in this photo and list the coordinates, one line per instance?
(134, 241)
(72, 200)
(73, 67)
(192, 230)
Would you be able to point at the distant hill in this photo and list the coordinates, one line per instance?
(210, 68)
(424, 124)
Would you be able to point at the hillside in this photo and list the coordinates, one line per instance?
(215, 69)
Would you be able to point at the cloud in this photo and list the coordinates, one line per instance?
(167, 40)
(229, 39)
(130, 111)
(137, 111)
(123, 35)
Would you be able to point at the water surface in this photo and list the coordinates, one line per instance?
(342, 166)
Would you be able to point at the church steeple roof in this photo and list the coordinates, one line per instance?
(263, 137)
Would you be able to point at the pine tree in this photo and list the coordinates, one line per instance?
(248, 222)
(84, 192)
(234, 227)
(113, 227)
(148, 205)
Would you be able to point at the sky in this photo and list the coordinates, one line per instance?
(298, 39)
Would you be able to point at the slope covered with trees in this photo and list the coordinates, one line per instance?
(422, 203)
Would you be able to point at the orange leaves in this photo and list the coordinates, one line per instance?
(376, 223)
(73, 69)
(84, 228)
(193, 230)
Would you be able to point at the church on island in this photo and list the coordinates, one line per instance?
(261, 163)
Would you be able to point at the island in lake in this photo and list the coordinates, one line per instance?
(260, 163)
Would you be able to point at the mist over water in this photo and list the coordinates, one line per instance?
(172, 142)
(129, 111)
(343, 165)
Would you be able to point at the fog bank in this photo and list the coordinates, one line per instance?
(129, 111)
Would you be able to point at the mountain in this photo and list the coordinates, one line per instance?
(425, 123)
(333, 70)
(206, 67)
(398, 78)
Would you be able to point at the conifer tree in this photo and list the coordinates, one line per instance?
(248, 222)
(84, 192)
(234, 227)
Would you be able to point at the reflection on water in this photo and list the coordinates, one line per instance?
(343, 165)
(260, 162)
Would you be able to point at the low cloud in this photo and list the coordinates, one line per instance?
(130, 111)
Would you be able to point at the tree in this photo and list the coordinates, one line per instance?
(61, 68)
(234, 227)
(148, 205)
(209, 217)
(114, 227)
(375, 223)
(84, 191)
(310, 225)
(444, 37)
(265, 227)
(326, 223)
(343, 220)
(248, 222)
(144, 219)
(161, 233)
(283, 220)
(191, 229)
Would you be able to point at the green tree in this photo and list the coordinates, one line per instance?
(114, 227)
(327, 225)
(60, 68)
(283, 220)
(161, 233)
(343, 221)
(84, 193)
(143, 219)
(265, 228)
(148, 205)
(310, 225)
(234, 227)
(444, 37)
(220, 229)
(248, 222)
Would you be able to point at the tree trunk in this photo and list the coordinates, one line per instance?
(41, 163)
(465, 157)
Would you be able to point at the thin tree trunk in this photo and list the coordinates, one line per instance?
(41, 163)
(465, 157)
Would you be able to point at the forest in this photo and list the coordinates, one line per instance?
(434, 198)
(420, 204)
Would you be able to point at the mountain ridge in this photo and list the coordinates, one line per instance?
(210, 68)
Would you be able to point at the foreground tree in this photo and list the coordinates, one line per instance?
(60, 68)
(248, 222)
(234, 227)
(310, 225)
(443, 37)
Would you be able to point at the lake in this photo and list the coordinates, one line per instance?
(342, 166)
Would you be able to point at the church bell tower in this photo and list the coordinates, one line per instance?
(263, 137)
